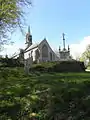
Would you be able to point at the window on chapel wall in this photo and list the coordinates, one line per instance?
(50, 56)
(37, 54)
(44, 51)
(53, 57)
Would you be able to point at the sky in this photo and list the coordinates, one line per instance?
(50, 18)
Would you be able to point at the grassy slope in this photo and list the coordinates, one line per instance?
(88, 68)
(68, 95)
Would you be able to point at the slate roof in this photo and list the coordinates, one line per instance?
(32, 47)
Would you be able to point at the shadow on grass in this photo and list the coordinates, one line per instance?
(68, 95)
(67, 98)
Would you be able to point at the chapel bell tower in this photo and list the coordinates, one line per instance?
(28, 38)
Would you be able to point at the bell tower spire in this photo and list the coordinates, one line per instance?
(29, 29)
(29, 37)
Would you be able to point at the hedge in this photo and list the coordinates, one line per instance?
(60, 66)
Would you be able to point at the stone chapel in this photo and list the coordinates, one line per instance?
(40, 52)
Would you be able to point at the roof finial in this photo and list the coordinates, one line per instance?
(44, 38)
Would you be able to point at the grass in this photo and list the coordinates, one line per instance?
(68, 95)
(88, 68)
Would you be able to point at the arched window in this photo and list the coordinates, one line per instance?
(37, 54)
(53, 57)
(50, 56)
(44, 51)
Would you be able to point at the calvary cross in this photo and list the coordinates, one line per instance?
(64, 40)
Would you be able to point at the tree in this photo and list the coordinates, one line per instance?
(86, 55)
(11, 16)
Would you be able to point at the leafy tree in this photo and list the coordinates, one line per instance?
(11, 16)
(86, 55)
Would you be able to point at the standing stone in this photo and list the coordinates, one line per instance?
(28, 64)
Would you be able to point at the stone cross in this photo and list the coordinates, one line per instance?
(28, 64)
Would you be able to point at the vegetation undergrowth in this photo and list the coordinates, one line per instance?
(59, 66)
(50, 96)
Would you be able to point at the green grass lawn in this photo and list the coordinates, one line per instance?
(88, 68)
(49, 95)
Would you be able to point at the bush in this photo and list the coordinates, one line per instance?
(39, 68)
(61, 66)
(69, 66)
(9, 62)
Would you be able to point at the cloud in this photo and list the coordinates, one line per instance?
(79, 48)
(11, 49)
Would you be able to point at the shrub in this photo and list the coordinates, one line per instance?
(60, 66)
(9, 62)
(39, 68)
(69, 66)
